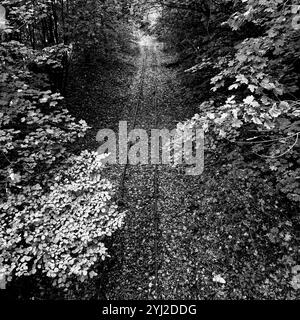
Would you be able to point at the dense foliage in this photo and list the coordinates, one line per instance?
(60, 231)
(251, 60)
(242, 59)
(56, 209)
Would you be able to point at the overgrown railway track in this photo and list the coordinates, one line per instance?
(155, 181)
(122, 188)
(156, 187)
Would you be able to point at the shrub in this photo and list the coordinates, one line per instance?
(55, 208)
(254, 97)
(59, 230)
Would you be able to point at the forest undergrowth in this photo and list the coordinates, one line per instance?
(70, 68)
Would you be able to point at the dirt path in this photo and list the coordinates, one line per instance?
(154, 257)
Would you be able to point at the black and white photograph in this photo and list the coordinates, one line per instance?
(149, 152)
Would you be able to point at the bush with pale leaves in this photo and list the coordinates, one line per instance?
(60, 232)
